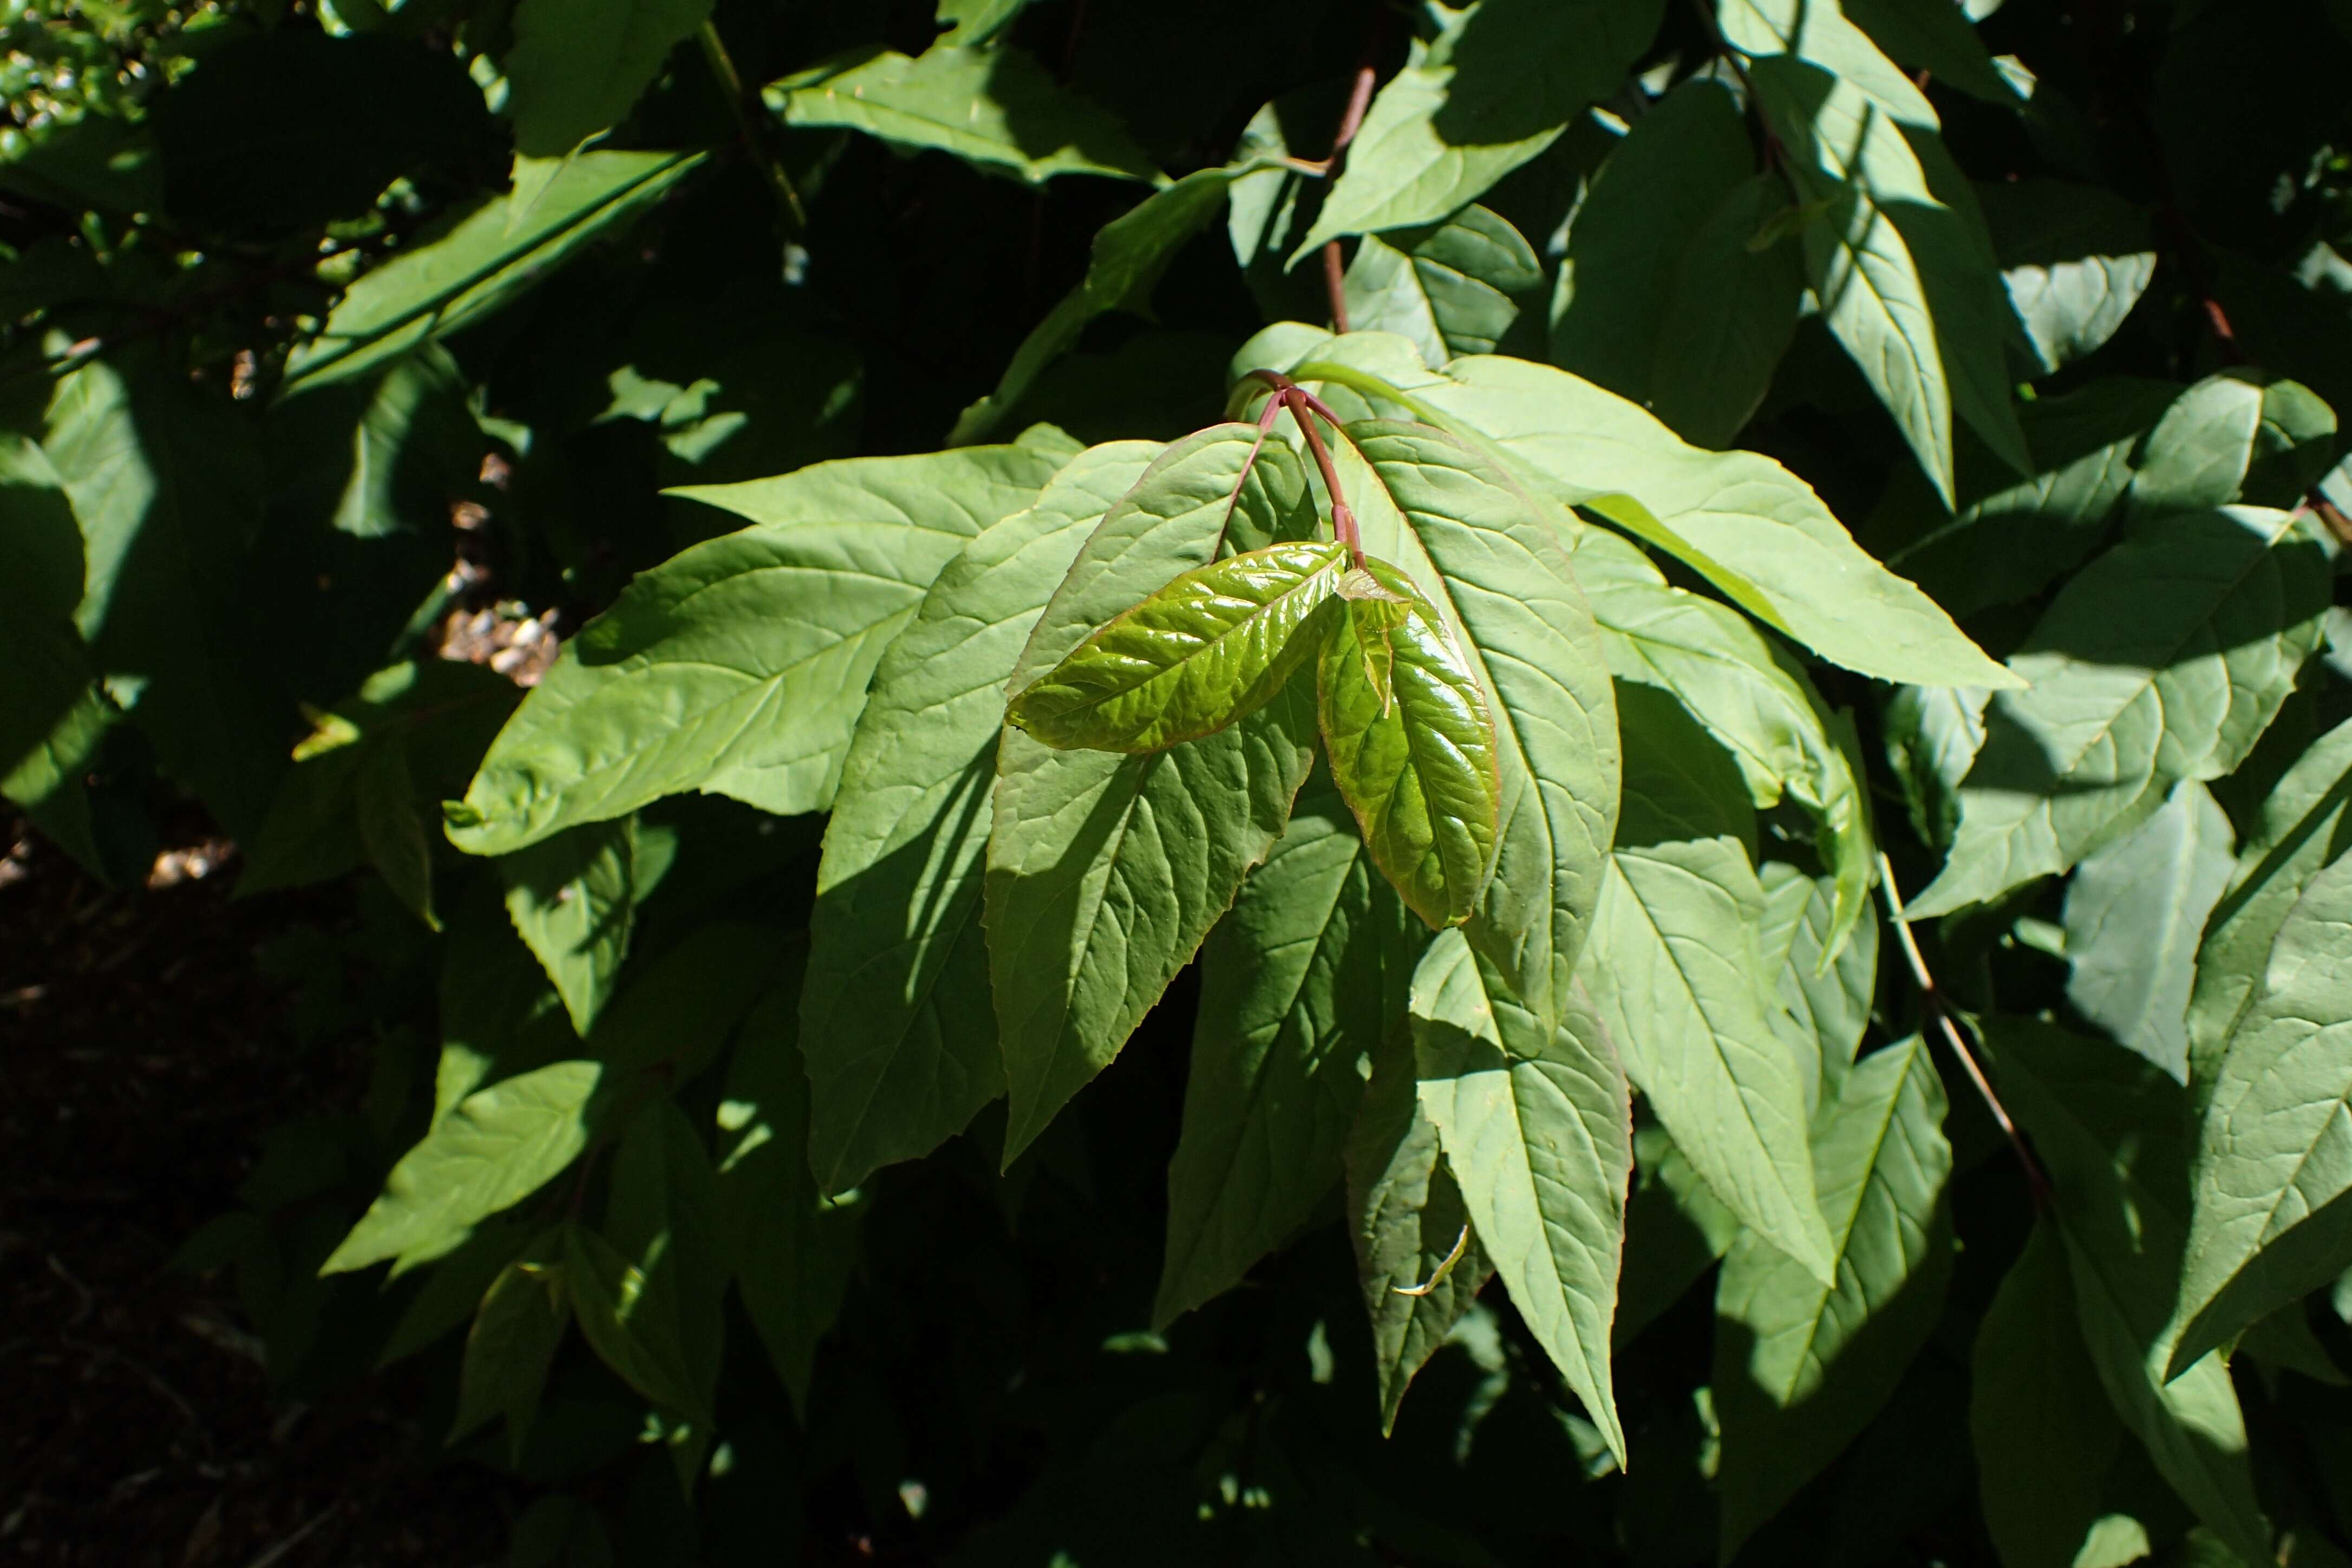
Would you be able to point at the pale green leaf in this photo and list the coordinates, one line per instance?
(1454, 289)
(996, 108)
(2272, 1220)
(1412, 745)
(572, 899)
(2135, 911)
(794, 1248)
(1938, 36)
(1499, 83)
(1676, 970)
(2238, 436)
(2074, 259)
(494, 1149)
(1536, 1127)
(517, 1329)
(740, 666)
(1298, 985)
(1933, 735)
(1105, 872)
(1801, 1368)
(2164, 659)
(578, 66)
(1211, 647)
(901, 1045)
(1827, 979)
(482, 262)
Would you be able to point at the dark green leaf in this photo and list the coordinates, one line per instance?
(392, 831)
(2075, 260)
(572, 899)
(1736, 295)
(1939, 39)
(577, 65)
(516, 1331)
(2238, 436)
(1413, 746)
(1675, 1230)
(663, 1217)
(1452, 288)
(40, 584)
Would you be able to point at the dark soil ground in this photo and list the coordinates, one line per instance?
(143, 1057)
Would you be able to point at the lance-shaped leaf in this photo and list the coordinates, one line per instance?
(1537, 1125)
(1491, 564)
(738, 667)
(1105, 872)
(1212, 646)
(517, 1327)
(572, 899)
(900, 1042)
(2164, 659)
(1417, 1257)
(1298, 983)
(1412, 744)
(1825, 987)
(1801, 1368)
(2272, 1220)
(2302, 829)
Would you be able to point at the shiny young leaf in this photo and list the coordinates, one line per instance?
(1215, 645)
(1412, 744)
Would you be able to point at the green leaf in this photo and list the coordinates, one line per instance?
(1128, 255)
(676, 1012)
(1940, 39)
(2045, 1435)
(1752, 698)
(1298, 986)
(498, 1015)
(1413, 746)
(1478, 548)
(1537, 1129)
(494, 1149)
(579, 66)
(625, 1320)
(479, 264)
(2075, 260)
(40, 584)
(1826, 986)
(974, 22)
(572, 899)
(516, 1332)
(794, 1248)
(2135, 911)
(663, 1218)
(166, 483)
(392, 830)
(1453, 288)
(2302, 829)
(2164, 659)
(901, 1045)
(1751, 527)
(453, 1289)
(1406, 1217)
(996, 108)
(1678, 979)
(1675, 1230)
(1801, 1368)
(1496, 88)
(2108, 1127)
(2238, 436)
(1616, 290)
(1105, 872)
(2273, 1165)
(1933, 734)
(1211, 647)
(1737, 292)
(738, 667)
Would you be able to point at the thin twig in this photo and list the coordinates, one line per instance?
(1288, 393)
(730, 87)
(1335, 270)
(2037, 1181)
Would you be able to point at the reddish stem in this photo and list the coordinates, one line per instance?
(1304, 407)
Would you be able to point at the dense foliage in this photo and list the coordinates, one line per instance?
(1562, 781)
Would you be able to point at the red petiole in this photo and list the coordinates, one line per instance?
(1302, 404)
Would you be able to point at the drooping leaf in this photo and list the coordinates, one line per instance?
(738, 667)
(2273, 1221)
(1500, 82)
(572, 899)
(1299, 983)
(2135, 911)
(2302, 829)
(1105, 872)
(2074, 258)
(995, 107)
(794, 1248)
(1454, 289)
(1478, 549)
(663, 1218)
(2164, 659)
(495, 1147)
(1412, 744)
(577, 67)
(1406, 1218)
(2238, 436)
(2045, 1435)
(453, 1289)
(1211, 647)
(1676, 973)
(2110, 1129)
(1537, 1130)
(1128, 255)
(901, 1045)
(517, 1329)
(1801, 1368)
(479, 264)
